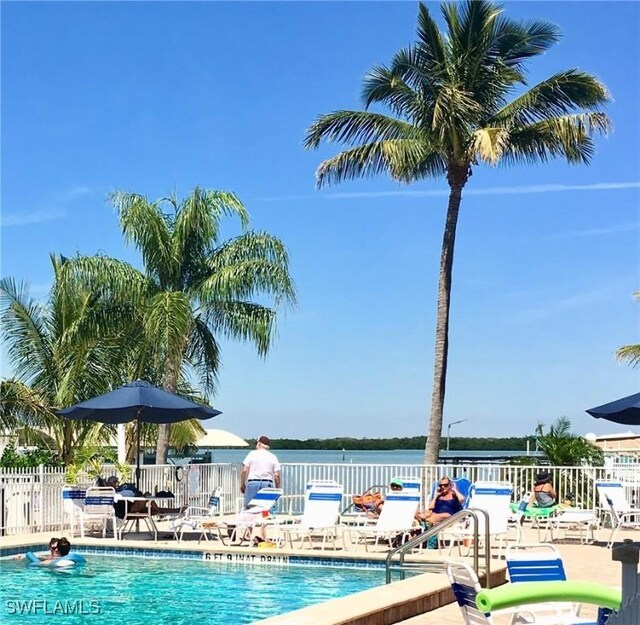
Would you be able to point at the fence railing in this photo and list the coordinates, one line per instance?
(31, 499)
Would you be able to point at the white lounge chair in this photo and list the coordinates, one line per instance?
(397, 517)
(466, 586)
(194, 515)
(321, 509)
(613, 501)
(240, 529)
(495, 499)
(540, 562)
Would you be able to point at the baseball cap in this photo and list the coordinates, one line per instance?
(264, 440)
(396, 482)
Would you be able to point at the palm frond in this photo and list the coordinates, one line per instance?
(488, 144)
(203, 354)
(144, 224)
(245, 321)
(569, 136)
(629, 354)
(403, 160)
(24, 331)
(353, 127)
(561, 94)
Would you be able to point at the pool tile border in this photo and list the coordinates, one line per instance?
(237, 558)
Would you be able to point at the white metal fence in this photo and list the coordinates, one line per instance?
(31, 499)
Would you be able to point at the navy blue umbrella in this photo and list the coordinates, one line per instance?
(139, 401)
(625, 410)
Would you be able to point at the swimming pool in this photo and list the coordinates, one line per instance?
(166, 591)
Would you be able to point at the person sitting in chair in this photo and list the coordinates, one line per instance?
(543, 495)
(446, 503)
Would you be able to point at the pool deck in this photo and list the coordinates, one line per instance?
(418, 600)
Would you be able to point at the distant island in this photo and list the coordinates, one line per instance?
(518, 443)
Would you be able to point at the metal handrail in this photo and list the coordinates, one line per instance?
(402, 550)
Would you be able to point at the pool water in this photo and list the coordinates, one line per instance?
(167, 591)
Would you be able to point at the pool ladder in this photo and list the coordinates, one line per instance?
(424, 567)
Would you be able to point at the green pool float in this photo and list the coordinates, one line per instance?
(523, 593)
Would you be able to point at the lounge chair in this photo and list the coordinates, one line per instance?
(194, 515)
(73, 506)
(541, 562)
(397, 517)
(613, 501)
(239, 530)
(466, 586)
(494, 498)
(320, 515)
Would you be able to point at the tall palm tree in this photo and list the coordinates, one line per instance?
(630, 353)
(448, 94)
(196, 288)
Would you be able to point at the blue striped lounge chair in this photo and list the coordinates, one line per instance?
(98, 507)
(322, 505)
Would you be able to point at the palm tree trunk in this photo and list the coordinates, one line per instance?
(170, 384)
(457, 178)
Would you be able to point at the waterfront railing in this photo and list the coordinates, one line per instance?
(31, 499)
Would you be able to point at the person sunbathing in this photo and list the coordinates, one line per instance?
(139, 506)
(446, 503)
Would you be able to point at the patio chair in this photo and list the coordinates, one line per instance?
(320, 515)
(194, 515)
(466, 586)
(397, 517)
(613, 501)
(541, 562)
(494, 498)
(239, 530)
(73, 506)
(98, 507)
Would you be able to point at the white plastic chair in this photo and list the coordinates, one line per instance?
(238, 530)
(397, 516)
(73, 506)
(613, 501)
(495, 499)
(541, 562)
(320, 515)
(466, 586)
(194, 515)
(98, 507)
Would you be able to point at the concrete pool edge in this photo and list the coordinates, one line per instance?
(383, 605)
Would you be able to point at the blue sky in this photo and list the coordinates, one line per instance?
(160, 97)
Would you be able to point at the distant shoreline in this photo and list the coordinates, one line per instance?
(415, 443)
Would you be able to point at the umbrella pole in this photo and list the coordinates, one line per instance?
(138, 450)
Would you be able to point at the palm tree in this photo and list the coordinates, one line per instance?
(448, 94)
(61, 352)
(563, 448)
(630, 353)
(196, 288)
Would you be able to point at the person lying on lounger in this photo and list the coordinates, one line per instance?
(136, 507)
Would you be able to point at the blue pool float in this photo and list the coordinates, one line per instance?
(74, 557)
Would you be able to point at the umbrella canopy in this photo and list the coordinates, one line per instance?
(625, 410)
(221, 438)
(139, 401)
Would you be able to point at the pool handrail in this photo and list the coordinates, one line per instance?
(471, 513)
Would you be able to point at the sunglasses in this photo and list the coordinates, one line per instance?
(441, 486)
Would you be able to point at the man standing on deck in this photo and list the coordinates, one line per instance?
(260, 469)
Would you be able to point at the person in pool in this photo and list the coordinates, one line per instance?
(58, 548)
(53, 545)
